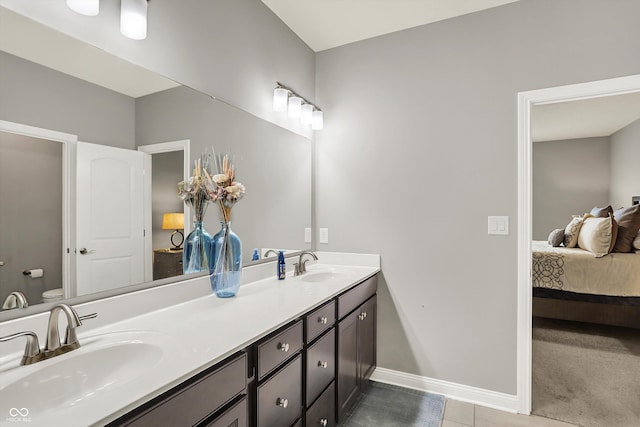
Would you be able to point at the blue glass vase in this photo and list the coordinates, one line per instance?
(197, 250)
(225, 262)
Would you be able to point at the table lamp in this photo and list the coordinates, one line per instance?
(174, 221)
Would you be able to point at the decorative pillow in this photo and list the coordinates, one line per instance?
(556, 237)
(628, 220)
(596, 235)
(601, 212)
(572, 230)
(636, 242)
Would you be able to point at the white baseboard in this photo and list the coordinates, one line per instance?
(478, 396)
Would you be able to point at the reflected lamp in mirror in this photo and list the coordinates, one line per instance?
(174, 221)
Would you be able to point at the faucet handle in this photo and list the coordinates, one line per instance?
(87, 316)
(32, 349)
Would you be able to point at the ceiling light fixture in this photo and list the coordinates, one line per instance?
(85, 7)
(133, 15)
(285, 99)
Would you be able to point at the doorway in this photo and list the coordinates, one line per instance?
(526, 101)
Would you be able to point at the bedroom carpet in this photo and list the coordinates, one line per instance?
(384, 405)
(585, 374)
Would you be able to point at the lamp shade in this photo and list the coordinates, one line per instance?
(306, 114)
(133, 19)
(295, 106)
(173, 221)
(317, 120)
(85, 7)
(280, 97)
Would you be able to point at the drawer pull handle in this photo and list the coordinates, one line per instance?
(282, 402)
(323, 320)
(323, 365)
(324, 422)
(283, 347)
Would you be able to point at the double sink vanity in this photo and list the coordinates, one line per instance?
(290, 352)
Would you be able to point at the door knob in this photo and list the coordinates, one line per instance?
(85, 251)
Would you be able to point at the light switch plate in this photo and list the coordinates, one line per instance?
(307, 235)
(324, 235)
(498, 225)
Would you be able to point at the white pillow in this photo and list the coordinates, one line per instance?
(571, 231)
(596, 235)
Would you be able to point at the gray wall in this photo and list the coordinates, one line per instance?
(625, 161)
(569, 178)
(165, 175)
(30, 215)
(39, 96)
(421, 138)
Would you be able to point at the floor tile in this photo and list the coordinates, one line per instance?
(487, 417)
(459, 412)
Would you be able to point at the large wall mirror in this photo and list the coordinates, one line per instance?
(42, 181)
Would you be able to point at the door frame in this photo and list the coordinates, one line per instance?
(161, 147)
(68, 142)
(526, 101)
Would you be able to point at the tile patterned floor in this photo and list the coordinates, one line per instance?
(461, 414)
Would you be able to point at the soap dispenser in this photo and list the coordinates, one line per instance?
(282, 267)
(255, 256)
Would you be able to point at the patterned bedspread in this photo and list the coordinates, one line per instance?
(577, 270)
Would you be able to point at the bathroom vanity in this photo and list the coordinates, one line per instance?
(281, 353)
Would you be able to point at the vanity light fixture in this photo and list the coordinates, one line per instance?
(85, 7)
(285, 99)
(133, 19)
(133, 15)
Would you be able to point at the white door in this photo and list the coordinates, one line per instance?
(109, 217)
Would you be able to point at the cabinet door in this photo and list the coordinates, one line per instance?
(348, 384)
(367, 339)
(280, 397)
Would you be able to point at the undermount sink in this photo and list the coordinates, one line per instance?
(104, 362)
(320, 276)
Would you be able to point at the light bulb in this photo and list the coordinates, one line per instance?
(84, 7)
(295, 106)
(280, 97)
(317, 120)
(306, 114)
(133, 19)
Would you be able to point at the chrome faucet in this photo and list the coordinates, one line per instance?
(53, 347)
(300, 267)
(15, 299)
(266, 254)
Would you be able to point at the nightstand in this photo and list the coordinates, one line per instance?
(167, 263)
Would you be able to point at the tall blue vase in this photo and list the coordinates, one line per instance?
(225, 262)
(197, 250)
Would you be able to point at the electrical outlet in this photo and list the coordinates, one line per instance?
(324, 235)
(307, 235)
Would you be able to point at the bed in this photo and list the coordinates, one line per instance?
(572, 284)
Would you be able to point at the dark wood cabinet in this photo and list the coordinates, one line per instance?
(356, 344)
(322, 412)
(167, 263)
(280, 397)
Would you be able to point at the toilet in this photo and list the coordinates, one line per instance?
(52, 295)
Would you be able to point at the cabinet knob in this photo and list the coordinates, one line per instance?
(322, 364)
(282, 402)
(361, 316)
(324, 422)
(283, 347)
(323, 320)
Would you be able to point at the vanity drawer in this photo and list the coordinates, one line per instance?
(280, 398)
(320, 320)
(322, 413)
(236, 416)
(191, 403)
(320, 365)
(281, 347)
(351, 299)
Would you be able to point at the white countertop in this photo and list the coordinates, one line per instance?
(193, 336)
